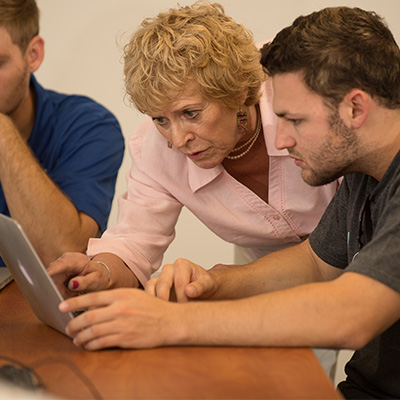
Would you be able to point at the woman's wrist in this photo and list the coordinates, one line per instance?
(105, 266)
(115, 271)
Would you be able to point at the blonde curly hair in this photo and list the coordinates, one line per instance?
(199, 43)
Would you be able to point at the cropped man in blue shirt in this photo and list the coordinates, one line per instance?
(59, 154)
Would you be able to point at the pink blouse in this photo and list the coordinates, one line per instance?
(162, 180)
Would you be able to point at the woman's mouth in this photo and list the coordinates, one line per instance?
(196, 155)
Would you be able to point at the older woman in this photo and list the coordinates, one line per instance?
(208, 144)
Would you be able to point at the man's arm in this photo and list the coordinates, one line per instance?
(346, 312)
(283, 269)
(49, 218)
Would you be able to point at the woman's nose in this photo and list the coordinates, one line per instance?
(180, 136)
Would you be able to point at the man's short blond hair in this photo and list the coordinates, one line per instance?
(21, 20)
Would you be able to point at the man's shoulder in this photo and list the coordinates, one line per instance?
(63, 105)
(78, 103)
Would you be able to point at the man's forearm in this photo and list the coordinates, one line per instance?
(49, 218)
(280, 270)
(323, 314)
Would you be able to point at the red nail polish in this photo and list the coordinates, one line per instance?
(75, 285)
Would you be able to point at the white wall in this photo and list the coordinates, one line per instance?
(82, 57)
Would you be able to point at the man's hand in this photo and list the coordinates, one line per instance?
(182, 280)
(125, 318)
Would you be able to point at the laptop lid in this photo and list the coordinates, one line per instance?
(30, 275)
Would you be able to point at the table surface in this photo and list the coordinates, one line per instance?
(163, 373)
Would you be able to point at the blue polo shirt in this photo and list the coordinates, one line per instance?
(80, 145)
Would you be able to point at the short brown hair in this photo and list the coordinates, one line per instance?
(338, 49)
(21, 19)
(198, 42)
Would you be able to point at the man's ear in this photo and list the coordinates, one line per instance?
(354, 108)
(35, 53)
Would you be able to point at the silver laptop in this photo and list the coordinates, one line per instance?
(30, 275)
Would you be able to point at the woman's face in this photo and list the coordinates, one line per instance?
(204, 131)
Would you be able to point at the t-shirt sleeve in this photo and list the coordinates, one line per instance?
(379, 258)
(335, 240)
(90, 153)
(329, 238)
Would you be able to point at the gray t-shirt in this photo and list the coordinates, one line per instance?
(368, 212)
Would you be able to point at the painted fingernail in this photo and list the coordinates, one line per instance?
(75, 285)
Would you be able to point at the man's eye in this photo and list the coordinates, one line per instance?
(294, 121)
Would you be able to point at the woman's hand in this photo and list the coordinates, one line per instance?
(75, 273)
(125, 318)
(182, 281)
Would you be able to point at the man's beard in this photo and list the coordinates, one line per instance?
(334, 157)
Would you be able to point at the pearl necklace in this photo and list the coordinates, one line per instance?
(250, 142)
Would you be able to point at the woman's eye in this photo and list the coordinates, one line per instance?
(191, 113)
(159, 120)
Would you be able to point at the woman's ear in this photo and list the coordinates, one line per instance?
(35, 53)
(244, 96)
(354, 108)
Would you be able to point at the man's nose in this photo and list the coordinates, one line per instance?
(283, 140)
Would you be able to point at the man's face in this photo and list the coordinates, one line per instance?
(14, 74)
(315, 136)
